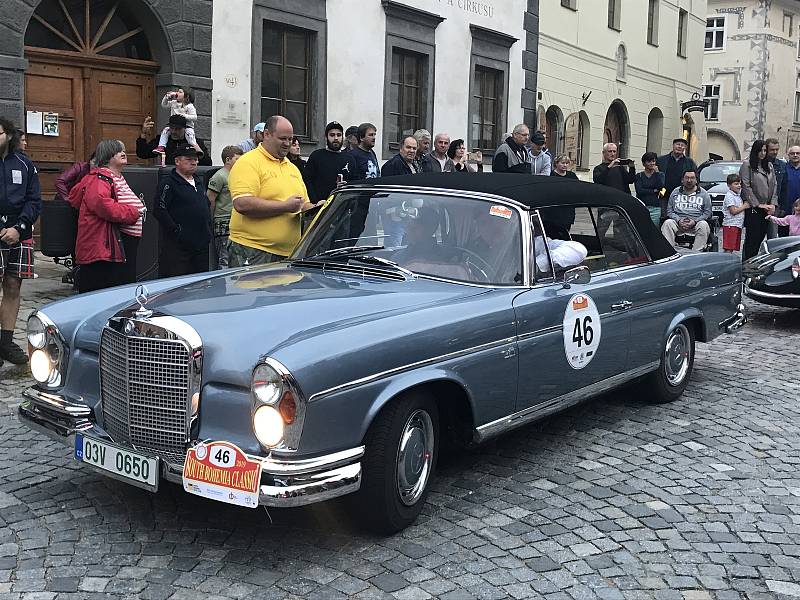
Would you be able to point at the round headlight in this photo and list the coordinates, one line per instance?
(37, 336)
(267, 384)
(41, 367)
(268, 426)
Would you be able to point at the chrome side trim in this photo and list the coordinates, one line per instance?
(539, 411)
(759, 294)
(421, 363)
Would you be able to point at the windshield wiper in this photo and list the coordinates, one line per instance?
(355, 253)
(347, 251)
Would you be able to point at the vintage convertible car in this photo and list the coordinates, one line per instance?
(415, 311)
(773, 276)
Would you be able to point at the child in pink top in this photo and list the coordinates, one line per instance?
(793, 220)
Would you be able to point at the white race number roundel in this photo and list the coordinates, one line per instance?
(581, 331)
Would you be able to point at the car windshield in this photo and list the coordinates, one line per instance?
(718, 172)
(441, 236)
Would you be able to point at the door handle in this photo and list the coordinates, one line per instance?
(622, 305)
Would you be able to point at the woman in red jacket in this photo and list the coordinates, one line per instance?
(109, 219)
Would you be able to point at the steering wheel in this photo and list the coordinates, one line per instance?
(478, 266)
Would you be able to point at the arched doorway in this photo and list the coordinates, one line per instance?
(584, 141)
(655, 131)
(615, 128)
(90, 62)
(554, 131)
(723, 144)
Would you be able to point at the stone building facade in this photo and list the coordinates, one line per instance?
(751, 74)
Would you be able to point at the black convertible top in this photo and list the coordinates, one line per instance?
(536, 191)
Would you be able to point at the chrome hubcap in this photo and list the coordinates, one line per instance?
(677, 355)
(414, 457)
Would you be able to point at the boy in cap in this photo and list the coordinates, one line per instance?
(328, 167)
(256, 137)
(541, 161)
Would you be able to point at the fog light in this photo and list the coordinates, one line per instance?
(268, 426)
(41, 367)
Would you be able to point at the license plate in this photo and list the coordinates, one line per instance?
(119, 462)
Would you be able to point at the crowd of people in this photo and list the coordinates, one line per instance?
(252, 210)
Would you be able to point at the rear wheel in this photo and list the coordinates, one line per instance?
(402, 446)
(675, 369)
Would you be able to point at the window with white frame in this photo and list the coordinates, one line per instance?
(715, 33)
(683, 25)
(652, 22)
(797, 108)
(788, 24)
(614, 14)
(711, 93)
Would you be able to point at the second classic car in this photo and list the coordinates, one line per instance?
(773, 276)
(416, 311)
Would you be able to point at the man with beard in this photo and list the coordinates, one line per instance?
(329, 167)
(367, 166)
(20, 203)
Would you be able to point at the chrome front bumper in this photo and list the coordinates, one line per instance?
(284, 482)
(735, 321)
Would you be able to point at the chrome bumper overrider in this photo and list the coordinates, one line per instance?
(735, 321)
(284, 482)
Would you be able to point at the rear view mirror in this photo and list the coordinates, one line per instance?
(579, 275)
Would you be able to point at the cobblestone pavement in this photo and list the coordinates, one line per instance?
(616, 499)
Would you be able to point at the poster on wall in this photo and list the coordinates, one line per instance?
(50, 124)
(33, 122)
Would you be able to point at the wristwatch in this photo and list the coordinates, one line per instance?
(21, 229)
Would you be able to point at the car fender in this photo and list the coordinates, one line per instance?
(405, 382)
(691, 312)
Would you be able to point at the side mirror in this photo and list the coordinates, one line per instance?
(579, 275)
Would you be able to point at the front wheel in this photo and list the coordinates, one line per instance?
(402, 446)
(675, 369)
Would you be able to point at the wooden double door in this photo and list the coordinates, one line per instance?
(93, 102)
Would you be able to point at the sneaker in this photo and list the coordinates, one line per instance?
(13, 353)
(160, 150)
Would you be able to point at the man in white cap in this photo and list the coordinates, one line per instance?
(256, 137)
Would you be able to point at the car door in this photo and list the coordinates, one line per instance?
(570, 337)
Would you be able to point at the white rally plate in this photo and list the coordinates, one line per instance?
(581, 330)
(119, 462)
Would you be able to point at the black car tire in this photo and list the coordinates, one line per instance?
(668, 382)
(405, 434)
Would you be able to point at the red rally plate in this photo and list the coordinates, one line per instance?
(221, 471)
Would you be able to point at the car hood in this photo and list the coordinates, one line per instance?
(715, 188)
(248, 313)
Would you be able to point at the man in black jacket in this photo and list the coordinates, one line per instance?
(184, 217)
(402, 163)
(675, 164)
(177, 137)
(328, 167)
(512, 156)
(612, 171)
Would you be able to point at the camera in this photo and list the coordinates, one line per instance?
(626, 161)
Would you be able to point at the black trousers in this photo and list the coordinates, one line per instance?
(755, 222)
(131, 245)
(175, 259)
(99, 275)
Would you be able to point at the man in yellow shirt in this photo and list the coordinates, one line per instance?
(268, 198)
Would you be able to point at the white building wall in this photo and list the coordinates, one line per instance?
(356, 58)
(577, 57)
(757, 71)
(231, 66)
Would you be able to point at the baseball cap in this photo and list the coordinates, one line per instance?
(260, 127)
(177, 121)
(537, 138)
(680, 140)
(187, 150)
(333, 125)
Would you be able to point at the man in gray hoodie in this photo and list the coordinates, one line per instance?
(688, 211)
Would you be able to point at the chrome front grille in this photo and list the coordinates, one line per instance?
(145, 386)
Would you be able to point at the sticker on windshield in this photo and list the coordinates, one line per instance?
(581, 331)
(500, 211)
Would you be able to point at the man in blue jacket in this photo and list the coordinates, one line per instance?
(184, 218)
(20, 204)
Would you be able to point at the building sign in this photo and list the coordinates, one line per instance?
(231, 112)
(474, 7)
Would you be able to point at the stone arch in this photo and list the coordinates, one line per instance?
(722, 143)
(616, 128)
(180, 45)
(554, 133)
(655, 131)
